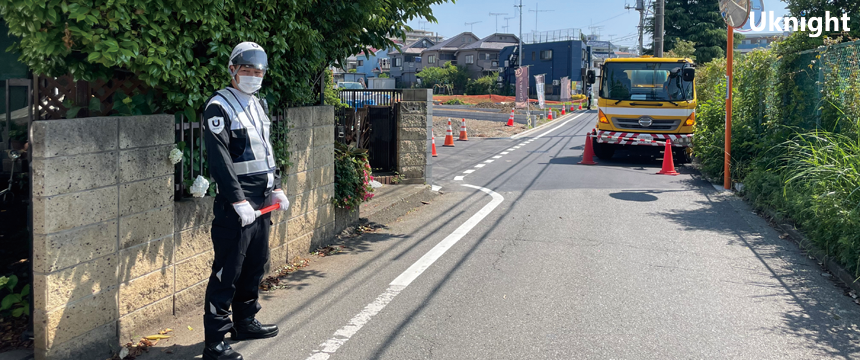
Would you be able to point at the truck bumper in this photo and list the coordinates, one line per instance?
(624, 138)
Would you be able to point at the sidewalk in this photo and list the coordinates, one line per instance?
(390, 203)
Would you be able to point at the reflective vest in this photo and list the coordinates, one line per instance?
(257, 158)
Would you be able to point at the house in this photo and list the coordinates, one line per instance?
(415, 35)
(754, 41)
(406, 62)
(446, 51)
(481, 58)
(557, 60)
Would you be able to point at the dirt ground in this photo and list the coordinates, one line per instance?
(474, 128)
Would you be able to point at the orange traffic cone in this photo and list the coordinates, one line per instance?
(511, 119)
(668, 163)
(588, 154)
(580, 106)
(549, 114)
(449, 136)
(562, 110)
(463, 136)
(433, 139)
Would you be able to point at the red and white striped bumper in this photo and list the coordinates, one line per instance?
(623, 138)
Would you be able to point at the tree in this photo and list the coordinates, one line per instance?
(483, 86)
(683, 49)
(817, 8)
(457, 76)
(183, 47)
(697, 21)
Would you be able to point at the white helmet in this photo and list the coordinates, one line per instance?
(248, 54)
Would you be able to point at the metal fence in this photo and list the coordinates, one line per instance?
(551, 36)
(350, 127)
(189, 136)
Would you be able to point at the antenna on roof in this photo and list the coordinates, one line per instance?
(471, 25)
(497, 19)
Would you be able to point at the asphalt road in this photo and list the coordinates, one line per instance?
(555, 260)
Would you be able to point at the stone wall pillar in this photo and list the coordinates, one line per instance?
(102, 232)
(414, 127)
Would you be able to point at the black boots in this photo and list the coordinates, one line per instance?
(220, 351)
(252, 329)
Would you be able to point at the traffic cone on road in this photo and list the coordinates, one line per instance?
(433, 140)
(511, 119)
(562, 110)
(668, 163)
(588, 154)
(580, 106)
(463, 136)
(449, 136)
(549, 114)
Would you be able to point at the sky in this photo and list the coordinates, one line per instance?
(606, 17)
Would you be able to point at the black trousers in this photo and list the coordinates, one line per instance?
(241, 254)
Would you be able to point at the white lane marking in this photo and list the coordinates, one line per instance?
(529, 132)
(489, 161)
(497, 157)
(557, 127)
(511, 149)
(458, 178)
(342, 335)
(504, 153)
(468, 171)
(522, 144)
(480, 165)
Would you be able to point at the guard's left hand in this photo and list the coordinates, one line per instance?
(280, 198)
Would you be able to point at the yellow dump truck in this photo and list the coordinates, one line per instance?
(643, 102)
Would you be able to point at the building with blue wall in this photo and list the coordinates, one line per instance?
(555, 59)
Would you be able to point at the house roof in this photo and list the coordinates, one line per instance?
(487, 43)
(449, 43)
(411, 48)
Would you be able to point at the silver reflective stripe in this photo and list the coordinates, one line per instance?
(251, 167)
(257, 146)
(270, 181)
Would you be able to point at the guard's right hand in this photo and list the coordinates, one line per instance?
(245, 212)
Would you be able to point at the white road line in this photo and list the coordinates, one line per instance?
(504, 153)
(342, 335)
(511, 149)
(468, 171)
(458, 178)
(557, 127)
(488, 161)
(480, 165)
(522, 144)
(529, 132)
(497, 157)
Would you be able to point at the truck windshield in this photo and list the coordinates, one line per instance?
(645, 82)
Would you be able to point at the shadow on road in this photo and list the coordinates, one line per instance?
(816, 314)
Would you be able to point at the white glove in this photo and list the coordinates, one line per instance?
(280, 198)
(246, 212)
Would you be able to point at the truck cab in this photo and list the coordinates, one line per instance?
(644, 102)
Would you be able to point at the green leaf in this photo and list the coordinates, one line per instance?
(13, 280)
(26, 290)
(95, 105)
(9, 300)
(18, 312)
(190, 114)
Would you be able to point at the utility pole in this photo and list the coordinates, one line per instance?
(497, 19)
(640, 7)
(536, 11)
(659, 6)
(471, 25)
(520, 56)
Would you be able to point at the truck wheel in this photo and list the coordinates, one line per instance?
(682, 156)
(603, 151)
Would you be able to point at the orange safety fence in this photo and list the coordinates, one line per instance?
(475, 99)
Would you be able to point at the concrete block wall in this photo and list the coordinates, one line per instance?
(414, 126)
(102, 231)
(115, 255)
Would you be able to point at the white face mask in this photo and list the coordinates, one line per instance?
(250, 84)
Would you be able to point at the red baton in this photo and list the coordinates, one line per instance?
(267, 210)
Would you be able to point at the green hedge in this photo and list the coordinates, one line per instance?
(795, 136)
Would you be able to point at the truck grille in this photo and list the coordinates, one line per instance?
(665, 125)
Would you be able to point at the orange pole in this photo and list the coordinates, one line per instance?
(727, 176)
